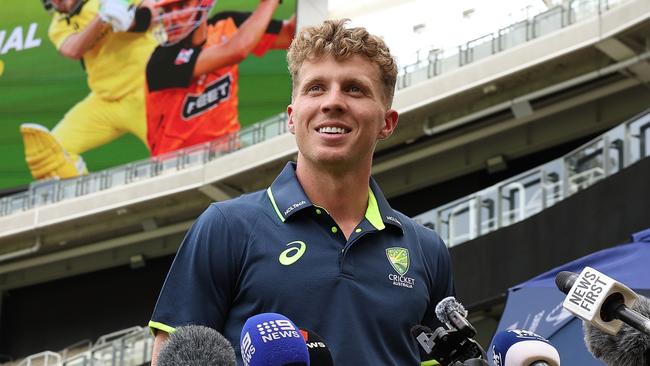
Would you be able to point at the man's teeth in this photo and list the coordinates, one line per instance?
(332, 130)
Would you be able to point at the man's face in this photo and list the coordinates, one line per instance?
(339, 112)
(179, 18)
(64, 6)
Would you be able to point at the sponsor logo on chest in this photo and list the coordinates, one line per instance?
(400, 261)
(184, 56)
(290, 256)
(213, 94)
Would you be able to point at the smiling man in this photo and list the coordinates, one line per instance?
(321, 245)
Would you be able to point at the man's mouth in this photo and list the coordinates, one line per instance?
(333, 130)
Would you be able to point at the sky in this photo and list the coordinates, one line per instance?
(443, 24)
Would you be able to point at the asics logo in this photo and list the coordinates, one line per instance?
(291, 255)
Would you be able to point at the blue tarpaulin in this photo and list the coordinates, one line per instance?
(536, 305)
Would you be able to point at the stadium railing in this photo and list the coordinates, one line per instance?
(46, 358)
(125, 347)
(528, 193)
(437, 62)
(443, 61)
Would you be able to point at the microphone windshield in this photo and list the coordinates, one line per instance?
(196, 345)
(627, 348)
(446, 307)
(319, 353)
(271, 339)
(522, 348)
(565, 280)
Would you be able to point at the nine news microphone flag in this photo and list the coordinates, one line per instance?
(536, 305)
(271, 339)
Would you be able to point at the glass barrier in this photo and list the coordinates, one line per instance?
(437, 62)
(137, 348)
(514, 35)
(549, 21)
(480, 48)
(638, 135)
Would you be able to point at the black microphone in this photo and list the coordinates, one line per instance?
(601, 301)
(451, 346)
(195, 345)
(629, 347)
(319, 353)
(453, 314)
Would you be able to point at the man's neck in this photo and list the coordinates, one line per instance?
(344, 194)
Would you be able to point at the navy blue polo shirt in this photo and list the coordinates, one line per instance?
(274, 251)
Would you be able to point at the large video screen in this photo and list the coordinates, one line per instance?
(38, 85)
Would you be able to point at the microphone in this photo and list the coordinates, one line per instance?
(195, 345)
(629, 347)
(319, 353)
(271, 339)
(601, 301)
(523, 348)
(453, 314)
(451, 346)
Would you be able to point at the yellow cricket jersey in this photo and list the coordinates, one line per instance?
(116, 63)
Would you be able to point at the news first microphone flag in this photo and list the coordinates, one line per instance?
(536, 304)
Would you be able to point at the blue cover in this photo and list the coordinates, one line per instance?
(536, 304)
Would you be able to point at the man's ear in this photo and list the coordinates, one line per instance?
(290, 124)
(390, 123)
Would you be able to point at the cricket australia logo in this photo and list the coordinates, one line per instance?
(215, 93)
(400, 261)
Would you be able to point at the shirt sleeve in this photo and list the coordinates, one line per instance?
(171, 67)
(270, 35)
(59, 30)
(200, 284)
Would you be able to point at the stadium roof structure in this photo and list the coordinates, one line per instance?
(565, 74)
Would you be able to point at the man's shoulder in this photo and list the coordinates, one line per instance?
(65, 24)
(243, 207)
(424, 235)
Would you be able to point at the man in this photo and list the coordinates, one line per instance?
(321, 245)
(115, 63)
(192, 76)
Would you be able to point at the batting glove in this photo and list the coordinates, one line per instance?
(118, 13)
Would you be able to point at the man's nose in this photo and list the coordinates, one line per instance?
(334, 101)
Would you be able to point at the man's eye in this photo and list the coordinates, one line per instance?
(314, 88)
(355, 89)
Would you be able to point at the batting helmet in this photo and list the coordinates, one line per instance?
(177, 19)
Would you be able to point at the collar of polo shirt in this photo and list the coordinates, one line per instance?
(288, 198)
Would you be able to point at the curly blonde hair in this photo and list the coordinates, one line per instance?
(334, 39)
